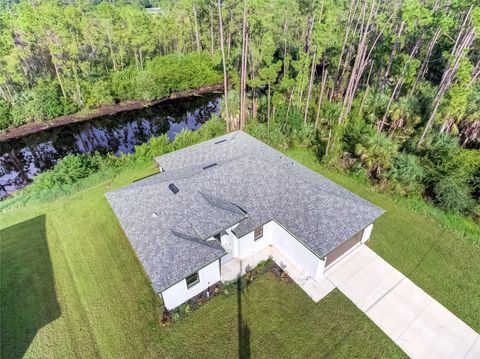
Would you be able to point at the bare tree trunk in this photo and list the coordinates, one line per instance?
(225, 77)
(310, 85)
(366, 89)
(114, 63)
(212, 40)
(268, 104)
(392, 55)
(424, 66)
(243, 76)
(465, 38)
(475, 74)
(59, 78)
(351, 11)
(197, 35)
(285, 32)
(397, 87)
(322, 89)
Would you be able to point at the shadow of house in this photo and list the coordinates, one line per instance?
(27, 289)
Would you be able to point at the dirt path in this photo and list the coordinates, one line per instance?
(106, 110)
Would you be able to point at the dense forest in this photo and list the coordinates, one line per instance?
(386, 89)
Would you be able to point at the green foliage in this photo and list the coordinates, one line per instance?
(70, 169)
(99, 93)
(408, 171)
(165, 74)
(47, 98)
(24, 109)
(453, 194)
(5, 116)
(376, 152)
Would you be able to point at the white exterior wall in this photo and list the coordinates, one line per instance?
(296, 252)
(179, 293)
(366, 233)
(247, 246)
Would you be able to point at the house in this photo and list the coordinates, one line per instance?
(231, 201)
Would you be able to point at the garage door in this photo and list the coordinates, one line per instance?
(343, 248)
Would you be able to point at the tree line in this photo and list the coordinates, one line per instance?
(379, 84)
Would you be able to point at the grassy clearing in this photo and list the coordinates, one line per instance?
(278, 320)
(72, 287)
(443, 262)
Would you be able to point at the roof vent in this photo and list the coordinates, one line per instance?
(155, 214)
(173, 188)
(211, 165)
(216, 143)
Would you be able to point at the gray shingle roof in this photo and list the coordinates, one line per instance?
(248, 174)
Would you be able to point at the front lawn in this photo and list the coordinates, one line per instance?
(71, 286)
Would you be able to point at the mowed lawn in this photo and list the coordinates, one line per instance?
(71, 286)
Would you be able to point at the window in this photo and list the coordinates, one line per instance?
(192, 279)
(258, 233)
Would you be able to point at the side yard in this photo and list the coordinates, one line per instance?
(442, 262)
(71, 286)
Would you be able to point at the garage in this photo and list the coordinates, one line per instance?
(343, 248)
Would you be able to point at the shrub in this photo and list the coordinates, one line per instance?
(408, 171)
(185, 138)
(99, 93)
(69, 170)
(453, 195)
(376, 152)
(24, 109)
(214, 127)
(156, 146)
(5, 117)
(47, 96)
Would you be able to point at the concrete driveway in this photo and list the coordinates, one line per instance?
(416, 322)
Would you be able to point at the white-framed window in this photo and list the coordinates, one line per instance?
(258, 233)
(192, 279)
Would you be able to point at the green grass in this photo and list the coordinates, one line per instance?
(443, 262)
(71, 286)
(277, 320)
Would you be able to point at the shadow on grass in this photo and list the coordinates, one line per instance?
(27, 289)
(243, 329)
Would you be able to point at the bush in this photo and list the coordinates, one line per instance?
(212, 128)
(408, 171)
(185, 138)
(165, 74)
(24, 109)
(47, 96)
(376, 152)
(453, 195)
(69, 170)
(5, 117)
(99, 93)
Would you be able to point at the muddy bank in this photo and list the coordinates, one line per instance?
(106, 110)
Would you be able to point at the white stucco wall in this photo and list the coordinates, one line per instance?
(295, 251)
(179, 293)
(247, 246)
(366, 233)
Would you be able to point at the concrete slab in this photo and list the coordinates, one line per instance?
(350, 265)
(391, 280)
(365, 280)
(474, 352)
(395, 311)
(437, 333)
(418, 324)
